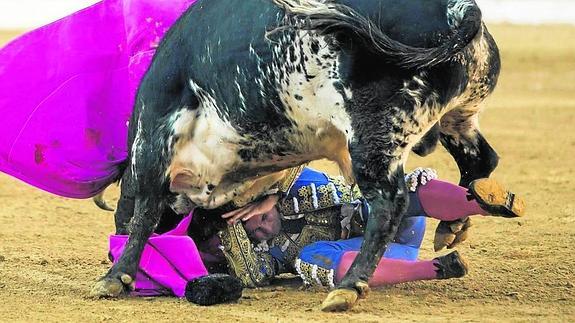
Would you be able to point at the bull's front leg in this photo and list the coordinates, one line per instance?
(380, 176)
(151, 191)
(121, 277)
(125, 208)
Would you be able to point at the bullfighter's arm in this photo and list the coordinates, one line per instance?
(253, 268)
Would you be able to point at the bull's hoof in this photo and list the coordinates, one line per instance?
(363, 289)
(444, 237)
(342, 299)
(451, 233)
(112, 286)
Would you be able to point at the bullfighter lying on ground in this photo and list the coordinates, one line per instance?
(316, 232)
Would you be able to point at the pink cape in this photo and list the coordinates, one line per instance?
(168, 263)
(67, 91)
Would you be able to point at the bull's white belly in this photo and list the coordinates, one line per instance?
(206, 155)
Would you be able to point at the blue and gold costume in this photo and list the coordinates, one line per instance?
(315, 212)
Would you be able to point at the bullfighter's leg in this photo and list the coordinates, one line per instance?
(380, 176)
(461, 136)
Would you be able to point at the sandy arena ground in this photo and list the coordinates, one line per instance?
(53, 249)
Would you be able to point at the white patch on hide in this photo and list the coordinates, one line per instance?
(461, 115)
(136, 145)
(311, 98)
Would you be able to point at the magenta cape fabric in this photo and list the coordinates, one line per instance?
(67, 90)
(168, 262)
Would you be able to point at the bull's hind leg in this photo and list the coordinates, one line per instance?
(460, 135)
(379, 173)
(475, 158)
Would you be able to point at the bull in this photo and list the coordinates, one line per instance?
(232, 100)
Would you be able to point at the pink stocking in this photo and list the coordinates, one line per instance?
(446, 201)
(391, 271)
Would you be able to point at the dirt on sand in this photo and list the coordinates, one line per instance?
(53, 249)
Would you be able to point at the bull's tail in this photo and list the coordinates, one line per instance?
(463, 16)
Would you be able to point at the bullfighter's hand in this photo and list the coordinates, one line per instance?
(451, 233)
(252, 209)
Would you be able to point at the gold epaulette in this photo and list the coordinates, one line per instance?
(314, 197)
(291, 175)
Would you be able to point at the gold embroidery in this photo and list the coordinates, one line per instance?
(290, 249)
(326, 194)
(356, 193)
(311, 234)
(305, 199)
(306, 271)
(285, 184)
(322, 225)
(348, 194)
(286, 207)
(315, 275)
(252, 268)
(328, 217)
(325, 276)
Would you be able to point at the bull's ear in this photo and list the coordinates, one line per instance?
(182, 180)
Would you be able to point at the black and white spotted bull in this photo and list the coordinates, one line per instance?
(240, 90)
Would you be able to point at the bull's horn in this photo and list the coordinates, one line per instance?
(101, 203)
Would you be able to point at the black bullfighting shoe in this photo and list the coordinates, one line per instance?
(451, 265)
(496, 199)
(214, 289)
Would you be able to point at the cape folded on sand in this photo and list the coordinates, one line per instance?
(169, 261)
(67, 91)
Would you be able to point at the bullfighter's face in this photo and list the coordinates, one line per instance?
(264, 227)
